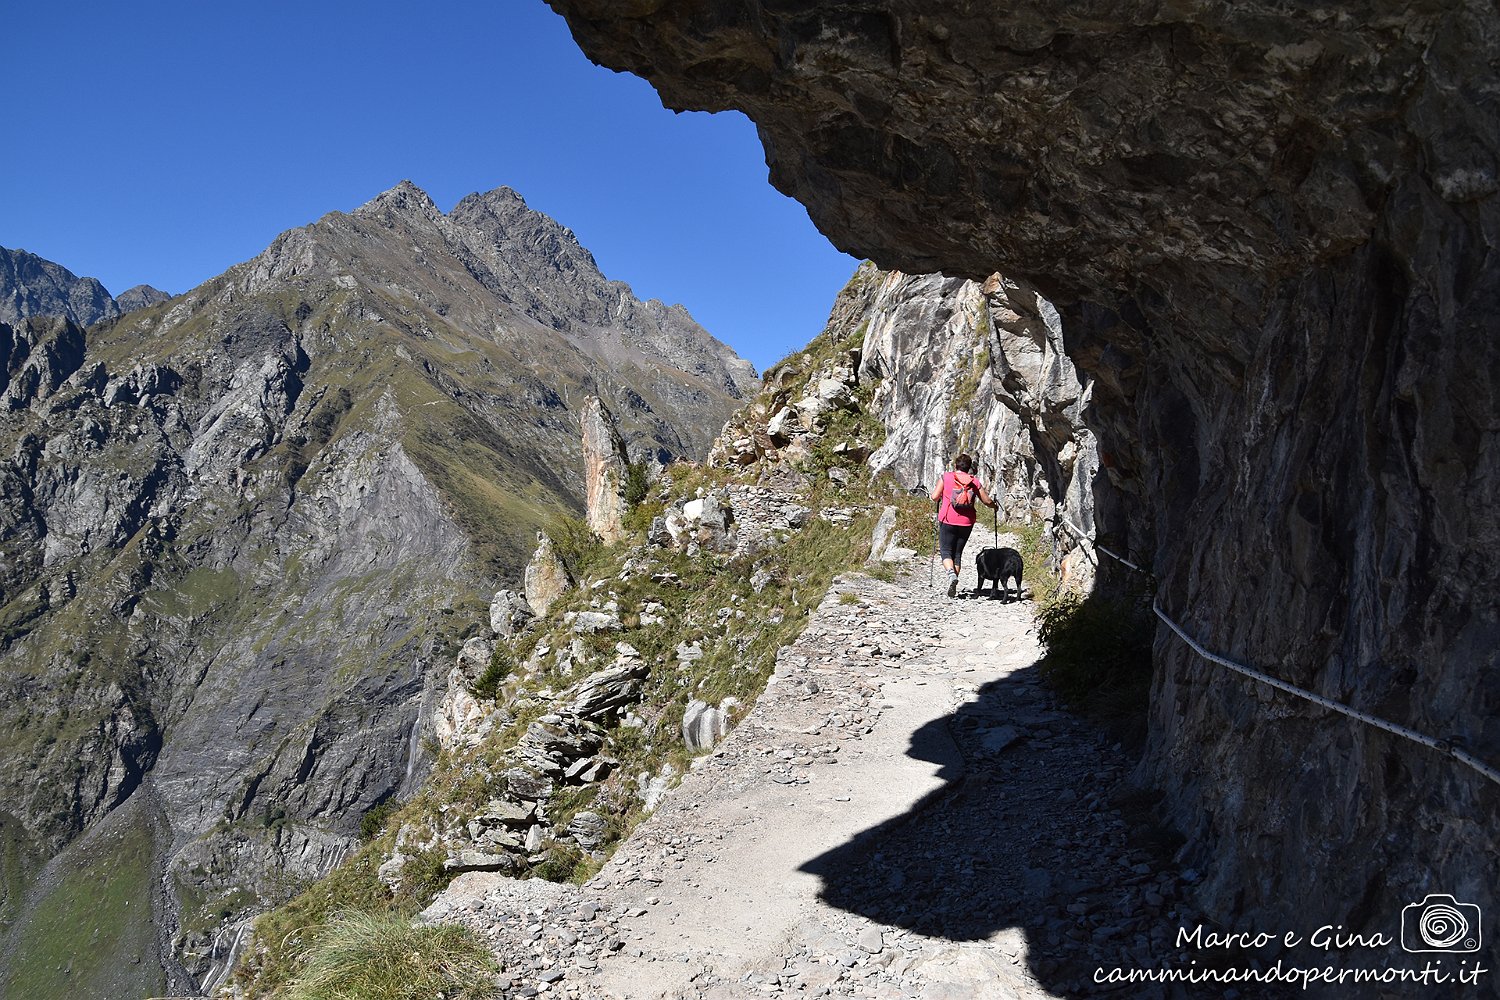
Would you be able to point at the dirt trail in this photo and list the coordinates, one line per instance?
(905, 813)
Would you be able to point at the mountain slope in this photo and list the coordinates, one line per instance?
(240, 526)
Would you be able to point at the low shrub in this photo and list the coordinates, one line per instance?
(502, 664)
(373, 822)
(637, 484)
(1098, 657)
(577, 546)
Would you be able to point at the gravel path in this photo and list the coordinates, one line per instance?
(905, 813)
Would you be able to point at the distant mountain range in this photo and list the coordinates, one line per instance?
(242, 532)
(33, 286)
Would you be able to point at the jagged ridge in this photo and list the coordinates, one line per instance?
(34, 286)
(240, 526)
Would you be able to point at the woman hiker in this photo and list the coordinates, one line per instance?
(955, 494)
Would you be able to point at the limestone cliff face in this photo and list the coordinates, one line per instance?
(978, 367)
(242, 531)
(1266, 229)
(939, 366)
(950, 365)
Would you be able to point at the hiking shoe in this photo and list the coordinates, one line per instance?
(953, 587)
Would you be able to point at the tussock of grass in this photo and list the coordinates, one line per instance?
(286, 936)
(365, 956)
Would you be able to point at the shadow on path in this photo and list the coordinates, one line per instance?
(1033, 830)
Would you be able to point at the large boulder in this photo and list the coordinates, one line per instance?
(784, 425)
(554, 742)
(458, 715)
(588, 830)
(703, 725)
(483, 861)
(883, 534)
(707, 522)
(590, 622)
(606, 467)
(509, 613)
(603, 693)
(546, 578)
(653, 788)
(474, 658)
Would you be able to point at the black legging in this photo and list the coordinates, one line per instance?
(951, 540)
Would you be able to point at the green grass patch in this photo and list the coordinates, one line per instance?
(365, 956)
(76, 940)
(20, 859)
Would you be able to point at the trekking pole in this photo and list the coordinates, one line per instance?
(995, 513)
(932, 563)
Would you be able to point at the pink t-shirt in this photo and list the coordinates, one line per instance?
(947, 513)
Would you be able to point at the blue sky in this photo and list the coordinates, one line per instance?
(162, 142)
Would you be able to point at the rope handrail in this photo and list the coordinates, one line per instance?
(1084, 536)
(1447, 747)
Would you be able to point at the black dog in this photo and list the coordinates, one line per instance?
(1001, 566)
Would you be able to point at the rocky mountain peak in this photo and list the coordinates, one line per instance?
(502, 198)
(405, 200)
(34, 286)
(492, 264)
(502, 217)
(139, 297)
